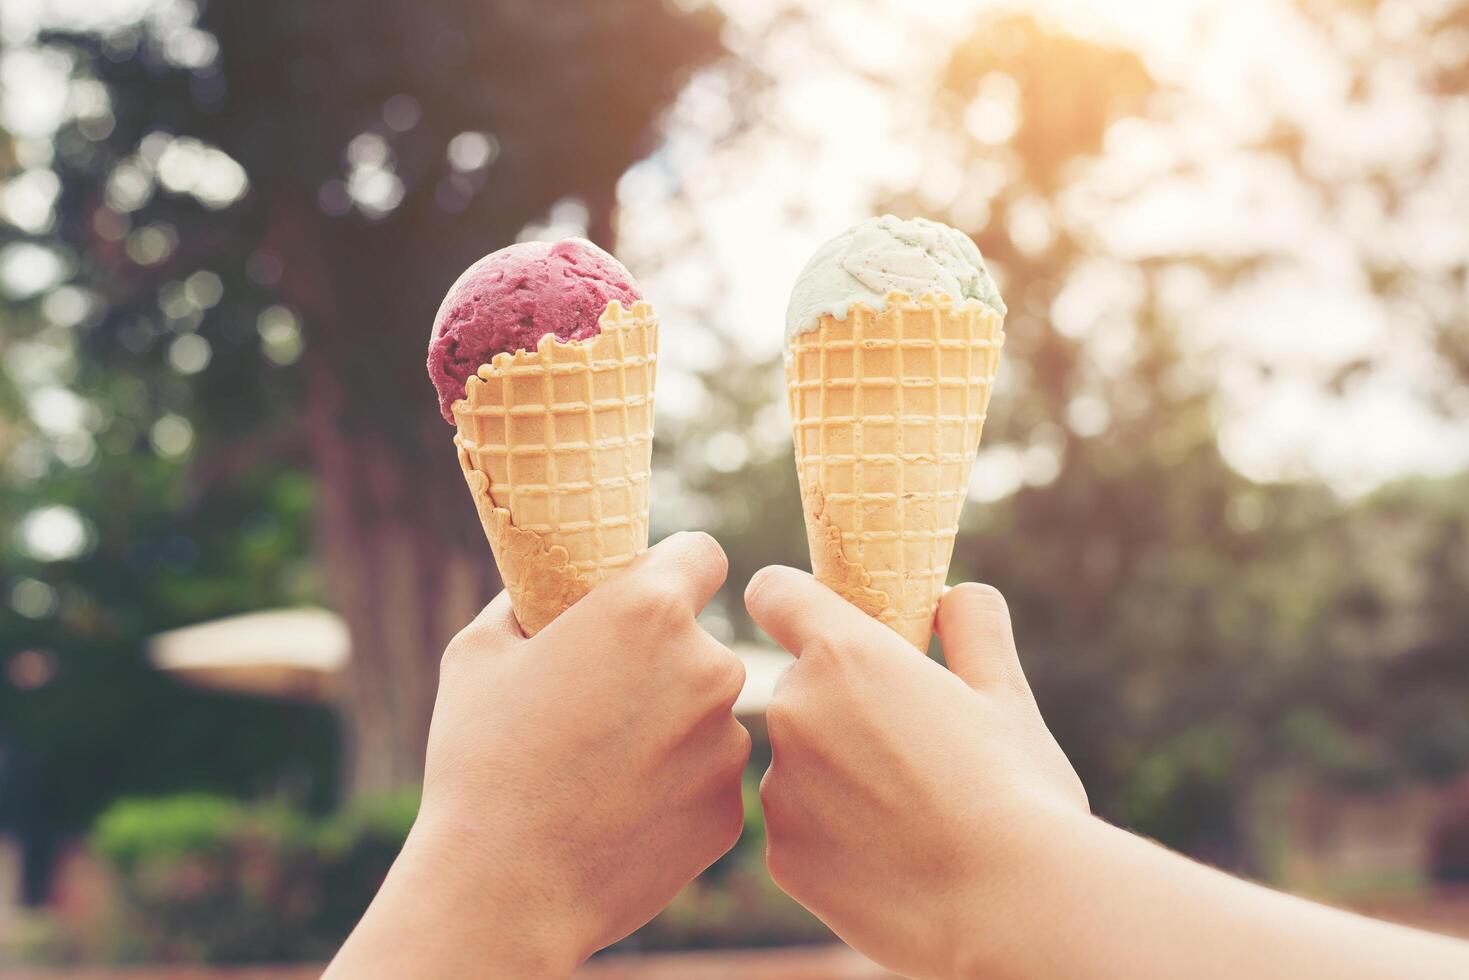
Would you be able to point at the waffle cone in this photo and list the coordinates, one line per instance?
(887, 410)
(556, 446)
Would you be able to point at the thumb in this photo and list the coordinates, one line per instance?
(974, 628)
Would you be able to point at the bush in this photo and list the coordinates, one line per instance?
(132, 832)
(357, 847)
(207, 879)
(213, 880)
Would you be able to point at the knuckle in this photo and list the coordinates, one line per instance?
(764, 590)
(464, 638)
(781, 719)
(730, 678)
(757, 585)
(740, 746)
(820, 651)
(650, 604)
(704, 549)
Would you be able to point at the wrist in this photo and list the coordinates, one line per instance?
(1034, 859)
(510, 913)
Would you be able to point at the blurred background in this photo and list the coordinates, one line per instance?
(1225, 482)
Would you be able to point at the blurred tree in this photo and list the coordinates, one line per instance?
(1401, 210)
(1120, 493)
(1188, 632)
(275, 180)
(83, 718)
(1178, 622)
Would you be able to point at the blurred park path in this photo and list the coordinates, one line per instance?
(808, 963)
(1447, 911)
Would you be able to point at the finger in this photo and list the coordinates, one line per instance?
(799, 613)
(979, 645)
(689, 564)
(663, 588)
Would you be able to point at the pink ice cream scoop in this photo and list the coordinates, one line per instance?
(510, 299)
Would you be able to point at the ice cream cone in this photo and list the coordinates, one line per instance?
(887, 410)
(556, 445)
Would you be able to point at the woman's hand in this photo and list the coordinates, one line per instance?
(930, 819)
(575, 781)
(901, 795)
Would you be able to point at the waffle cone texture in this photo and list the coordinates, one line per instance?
(556, 445)
(887, 409)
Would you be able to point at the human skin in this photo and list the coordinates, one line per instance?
(574, 781)
(929, 818)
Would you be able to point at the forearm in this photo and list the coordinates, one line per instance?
(1103, 903)
(440, 913)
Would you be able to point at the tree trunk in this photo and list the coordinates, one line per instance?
(401, 547)
(403, 585)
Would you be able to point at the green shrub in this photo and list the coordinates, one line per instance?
(379, 818)
(213, 880)
(206, 879)
(357, 847)
(134, 831)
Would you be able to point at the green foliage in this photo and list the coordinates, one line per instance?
(196, 479)
(378, 819)
(302, 315)
(132, 831)
(356, 846)
(1187, 632)
(162, 554)
(210, 879)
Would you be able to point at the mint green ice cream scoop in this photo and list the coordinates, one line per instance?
(880, 255)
